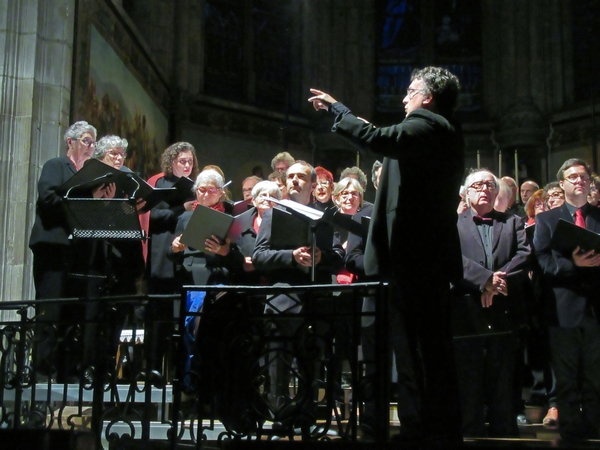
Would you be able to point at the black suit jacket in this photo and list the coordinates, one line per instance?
(573, 290)
(50, 226)
(280, 266)
(406, 232)
(510, 254)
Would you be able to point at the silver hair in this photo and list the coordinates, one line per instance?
(108, 143)
(209, 176)
(472, 175)
(269, 186)
(343, 184)
(354, 170)
(77, 130)
(469, 180)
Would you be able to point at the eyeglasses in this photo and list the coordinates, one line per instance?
(116, 154)
(556, 195)
(323, 183)
(575, 177)
(411, 92)
(354, 194)
(88, 142)
(209, 191)
(188, 161)
(478, 185)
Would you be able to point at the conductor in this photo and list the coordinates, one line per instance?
(415, 246)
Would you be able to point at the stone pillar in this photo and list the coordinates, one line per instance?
(35, 81)
(527, 74)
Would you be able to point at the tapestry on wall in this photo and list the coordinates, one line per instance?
(116, 103)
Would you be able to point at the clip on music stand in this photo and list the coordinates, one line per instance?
(103, 218)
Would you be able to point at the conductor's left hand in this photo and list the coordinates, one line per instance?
(321, 100)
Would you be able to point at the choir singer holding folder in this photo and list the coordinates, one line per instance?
(291, 265)
(571, 305)
(211, 264)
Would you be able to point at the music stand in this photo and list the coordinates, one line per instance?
(103, 218)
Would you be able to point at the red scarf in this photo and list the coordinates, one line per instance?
(217, 207)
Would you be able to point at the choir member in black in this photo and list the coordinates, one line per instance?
(178, 160)
(119, 260)
(292, 267)
(212, 264)
(55, 256)
(323, 189)
(261, 194)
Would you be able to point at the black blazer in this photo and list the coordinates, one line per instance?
(280, 266)
(573, 291)
(50, 226)
(407, 232)
(510, 254)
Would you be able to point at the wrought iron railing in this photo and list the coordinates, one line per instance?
(239, 368)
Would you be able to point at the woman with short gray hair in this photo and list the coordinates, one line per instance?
(111, 150)
(55, 256)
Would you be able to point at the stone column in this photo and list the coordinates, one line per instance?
(36, 40)
(527, 74)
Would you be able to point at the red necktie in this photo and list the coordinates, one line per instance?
(579, 219)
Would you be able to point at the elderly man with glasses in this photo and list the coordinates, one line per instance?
(495, 256)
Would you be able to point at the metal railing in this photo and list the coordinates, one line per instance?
(241, 367)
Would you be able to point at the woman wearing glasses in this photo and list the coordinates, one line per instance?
(55, 256)
(205, 265)
(52, 250)
(126, 260)
(112, 151)
(554, 196)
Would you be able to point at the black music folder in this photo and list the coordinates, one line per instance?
(567, 236)
(530, 232)
(289, 231)
(206, 222)
(178, 194)
(94, 174)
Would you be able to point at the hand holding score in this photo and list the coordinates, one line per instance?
(214, 245)
(303, 256)
(586, 259)
(177, 246)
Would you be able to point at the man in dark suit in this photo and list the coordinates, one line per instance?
(495, 256)
(292, 267)
(415, 246)
(572, 305)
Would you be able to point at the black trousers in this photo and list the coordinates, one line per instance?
(576, 362)
(485, 367)
(420, 327)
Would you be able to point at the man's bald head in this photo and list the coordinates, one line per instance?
(527, 190)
